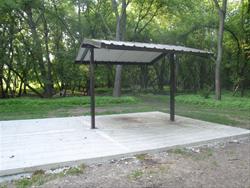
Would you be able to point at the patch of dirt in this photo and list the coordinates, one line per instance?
(215, 165)
(56, 113)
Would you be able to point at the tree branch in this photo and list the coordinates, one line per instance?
(115, 9)
(217, 4)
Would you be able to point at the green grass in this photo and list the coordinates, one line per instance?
(233, 111)
(73, 171)
(23, 108)
(36, 179)
(227, 102)
(65, 101)
(136, 174)
(179, 151)
(230, 110)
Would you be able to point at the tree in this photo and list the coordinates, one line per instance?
(222, 15)
(121, 19)
(37, 47)
(39, 40)
(145, 12)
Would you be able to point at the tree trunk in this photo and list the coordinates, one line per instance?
(118, 80)
(20, 89)
(144, 77)
(120, 35)
(222, 14)
(25, 88)
(161, 75)
(49, 85)
(22, 80)
(202, 76)
(2, 93)
(109, 76)
(38, 53)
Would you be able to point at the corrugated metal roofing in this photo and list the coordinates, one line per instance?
(120, 52)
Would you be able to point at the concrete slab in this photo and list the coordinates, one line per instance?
(28, 145)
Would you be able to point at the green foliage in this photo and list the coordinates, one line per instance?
(205, 92)
(23, 183)
(38, 172)
(104, 91)
(44, 37)
(36, 179)
(73, 171)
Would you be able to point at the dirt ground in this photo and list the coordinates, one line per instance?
(217, 165)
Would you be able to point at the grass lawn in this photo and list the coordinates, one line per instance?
(233, 111)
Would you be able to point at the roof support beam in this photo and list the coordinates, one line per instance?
(84, 54)
(172, 86)
(92, 88)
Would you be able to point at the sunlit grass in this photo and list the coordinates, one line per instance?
(23, 108)
(226, 102)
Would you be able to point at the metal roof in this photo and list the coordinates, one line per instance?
(121, 52)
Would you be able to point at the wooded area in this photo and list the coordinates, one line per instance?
(39, 40)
